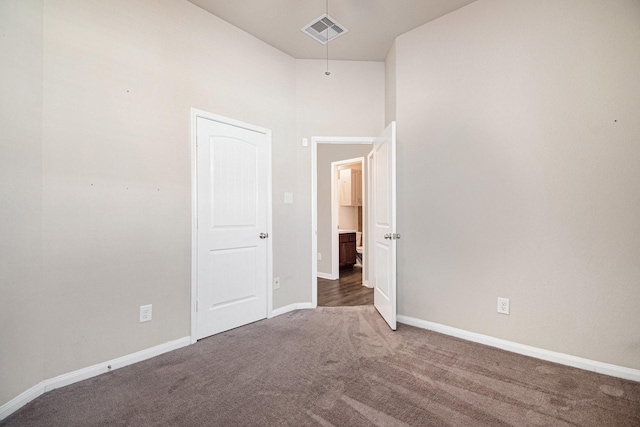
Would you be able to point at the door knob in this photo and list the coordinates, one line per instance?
(264, 235)
(387, 236)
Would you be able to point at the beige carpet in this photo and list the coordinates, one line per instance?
(338, 367)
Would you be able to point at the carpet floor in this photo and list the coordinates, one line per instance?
(338, 366)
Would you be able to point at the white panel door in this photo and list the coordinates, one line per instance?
(383, 177)
(232, 177)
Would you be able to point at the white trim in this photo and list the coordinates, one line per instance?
(368, 247)
(527, 350)
(22, 399)
(195, 113)
(292, 307)
(194, 226)
(315, 140)
(88, 372)
(325, 276)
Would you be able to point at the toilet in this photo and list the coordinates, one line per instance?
(359, 248)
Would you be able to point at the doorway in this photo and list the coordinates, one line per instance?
(339, 286)
(382, 247)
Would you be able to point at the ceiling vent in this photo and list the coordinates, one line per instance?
(324, 29)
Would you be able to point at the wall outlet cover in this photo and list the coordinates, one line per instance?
(503, 305)
(145, 313)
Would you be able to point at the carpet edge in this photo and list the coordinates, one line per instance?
(527, 350)
(85, 373)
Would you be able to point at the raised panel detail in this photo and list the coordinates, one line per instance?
(233, 276)
(233, 183)
(382, 174)
(382, 270)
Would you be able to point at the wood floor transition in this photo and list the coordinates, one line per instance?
(347, 291)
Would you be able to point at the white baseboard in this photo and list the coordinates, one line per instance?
(291, 307)
(327, 276)
(22, 399)
(367, 284)
(526, 350)
(82, 374)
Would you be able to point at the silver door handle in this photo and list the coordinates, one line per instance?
(264, 235)
(387, 236)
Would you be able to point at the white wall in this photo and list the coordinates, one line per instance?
(349, 102)
(519, 130)
(96, 164)
(390, 85)
(21, 299)
(98, 103)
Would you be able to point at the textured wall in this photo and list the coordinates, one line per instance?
(349, 102)
(99, 141)
(390, 86)
(519, 143)
(21, 298)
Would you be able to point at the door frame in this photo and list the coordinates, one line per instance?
(369, 247)
(315, 140)
(194, 115)
(335, 215)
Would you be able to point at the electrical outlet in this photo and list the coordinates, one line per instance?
(276, 283)
(145, 313)
(319, 256)
(503, 305)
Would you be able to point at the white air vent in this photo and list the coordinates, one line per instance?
(324, 29)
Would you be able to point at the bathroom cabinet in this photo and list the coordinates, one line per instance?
(347, 250)
(350, 185)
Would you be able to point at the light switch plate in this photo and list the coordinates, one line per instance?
(288, 197)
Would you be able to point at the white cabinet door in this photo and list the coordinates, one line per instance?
(345, 187)
(350, 186)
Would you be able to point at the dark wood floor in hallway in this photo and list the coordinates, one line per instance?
(347, 291)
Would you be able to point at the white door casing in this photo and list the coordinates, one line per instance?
(383, 215)
(368, 245)
(233, 224)
(314, 201)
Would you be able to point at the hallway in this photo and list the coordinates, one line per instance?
(347, 291)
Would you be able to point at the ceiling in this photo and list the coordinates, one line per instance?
(372, 24)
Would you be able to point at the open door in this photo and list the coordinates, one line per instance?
(383, 217)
